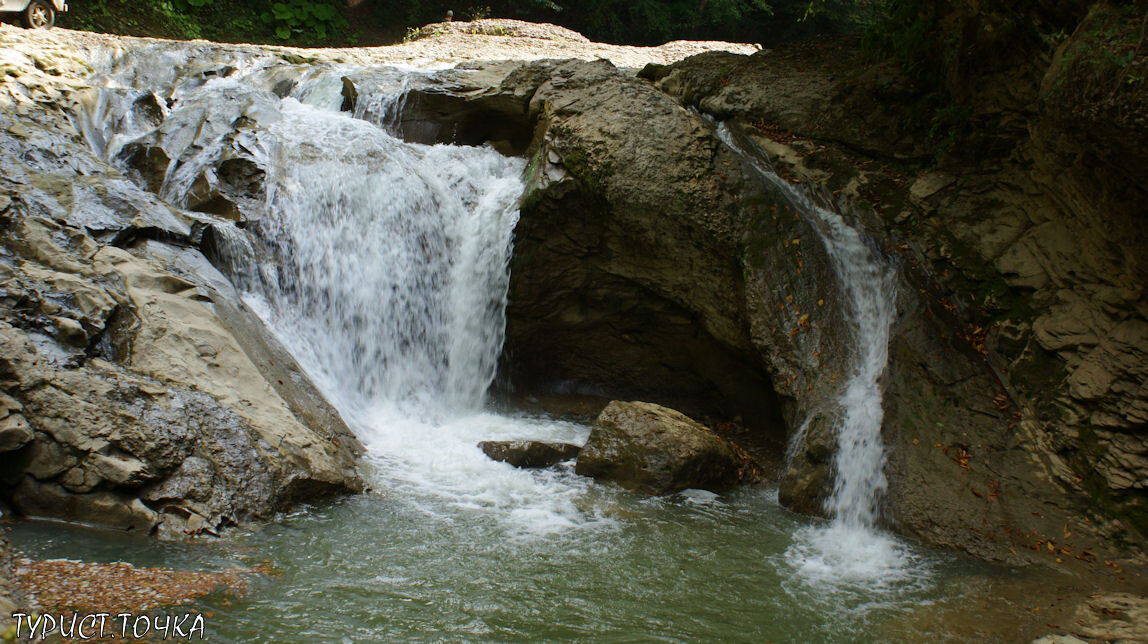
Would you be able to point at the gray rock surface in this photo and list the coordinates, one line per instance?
(655, 450)
(127, 397)
(527, 453)
(1113, 617)
(14, 429)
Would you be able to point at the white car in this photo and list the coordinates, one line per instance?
(36, 14)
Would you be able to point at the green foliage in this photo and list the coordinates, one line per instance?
(477, 12)
(910, 34)
(906, 32)
(642, 21)
(656, 21)
(860, 13)
(303, 19)
(312, 22)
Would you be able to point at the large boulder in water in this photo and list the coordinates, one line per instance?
(525, 453)
(649, 448)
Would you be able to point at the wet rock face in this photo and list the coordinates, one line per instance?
(1014, 392)
(457, 107)
(530, 454)
(126, 398)
(792, 96)
(627, 277)
(655, 450)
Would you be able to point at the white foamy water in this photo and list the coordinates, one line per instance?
(383, 266)
(389, 283)
(851, 549)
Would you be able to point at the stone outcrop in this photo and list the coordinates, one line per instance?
(126, 396)
(655, 450)
(781, 89)
(1016, 360)
(652, 262)
(531, 454)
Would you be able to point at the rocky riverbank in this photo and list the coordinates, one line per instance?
(997, 446)
(128, 399)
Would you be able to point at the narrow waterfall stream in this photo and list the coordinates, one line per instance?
(383, 266)
(851, 547)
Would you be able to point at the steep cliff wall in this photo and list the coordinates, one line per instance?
(1021, 229)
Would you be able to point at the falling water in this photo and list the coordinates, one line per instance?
(850, 548)
(391, 258)
(382, 265)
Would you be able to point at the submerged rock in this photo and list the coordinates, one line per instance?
(1113, 617)
(652, 449)
(10, 598)
(525, 453)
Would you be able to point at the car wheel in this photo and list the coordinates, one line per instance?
(39, 15)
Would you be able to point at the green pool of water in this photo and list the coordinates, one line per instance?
(383, 568)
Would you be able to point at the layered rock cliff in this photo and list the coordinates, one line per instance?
(1020, 240)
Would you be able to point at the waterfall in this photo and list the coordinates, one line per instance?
(392, 259)
(850, 548)
(382, 265)
(868, 281)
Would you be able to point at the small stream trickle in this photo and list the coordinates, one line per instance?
(851, 549)
(383, 266)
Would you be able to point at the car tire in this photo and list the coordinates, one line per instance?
(39, 15)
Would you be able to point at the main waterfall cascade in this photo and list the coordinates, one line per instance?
(383, 266)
